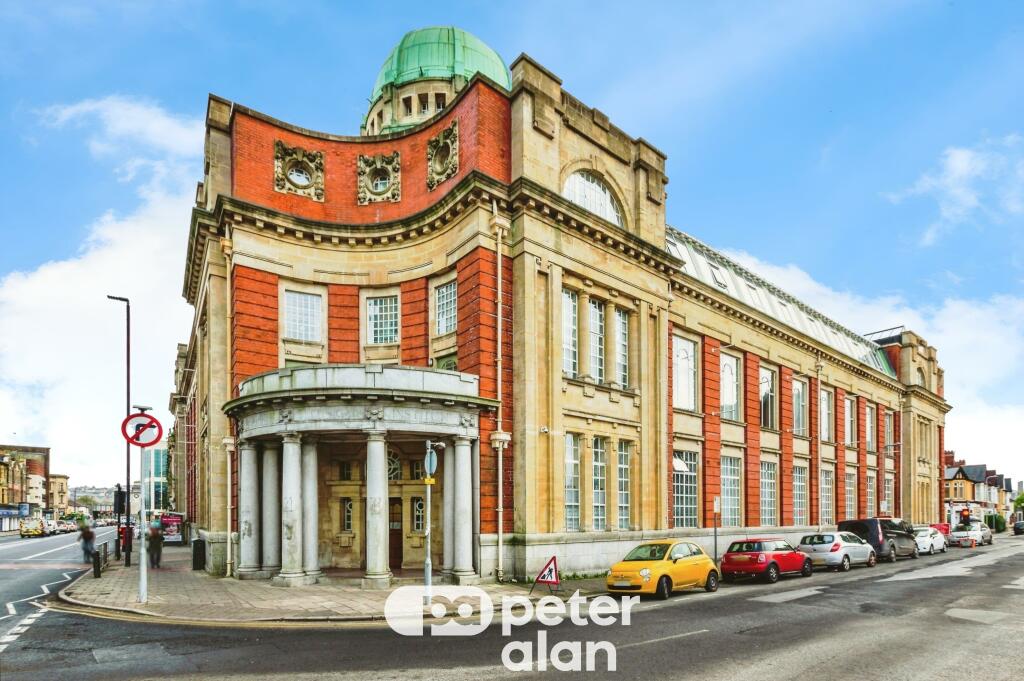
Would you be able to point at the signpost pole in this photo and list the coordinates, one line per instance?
(429, 468)
(136, 430)
(718, 508)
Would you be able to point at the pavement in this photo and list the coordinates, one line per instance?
(179, 593)
(949, 617)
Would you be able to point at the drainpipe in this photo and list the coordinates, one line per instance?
(818, 366)
(229, 441)
(499, 438)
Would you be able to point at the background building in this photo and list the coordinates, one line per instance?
(59, 500)
(154, 478)
(488, 265)
(24, 472)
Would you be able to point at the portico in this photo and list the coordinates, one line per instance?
(347, 441)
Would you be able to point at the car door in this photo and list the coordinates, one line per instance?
(790, 560)
(679, 568)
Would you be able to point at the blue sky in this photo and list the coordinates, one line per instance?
(868, 156)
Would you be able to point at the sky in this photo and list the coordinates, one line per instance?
(867, 157)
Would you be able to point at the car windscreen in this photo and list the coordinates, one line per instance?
(816, 539)
(647, 552)
(745, 547)
(922, 531)
(967, 528)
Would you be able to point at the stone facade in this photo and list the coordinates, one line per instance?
(628, 379)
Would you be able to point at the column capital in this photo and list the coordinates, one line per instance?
(310, 438)
(291, 437)
(377, 435)
(463, 439)
(243, 443)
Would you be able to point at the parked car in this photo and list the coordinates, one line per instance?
(661, 567)
(70, 526)
(929, 540)
(51, 527)
(976, 530)
(839, 550)
(889, 537)
(32, 527)
(767, 558)
(1018, 527)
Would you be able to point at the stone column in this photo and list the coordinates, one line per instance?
(462, 570)
(310, 509)
(248, 509)
(271, 521)
(378, 573)
(291, 511)
(448, 490)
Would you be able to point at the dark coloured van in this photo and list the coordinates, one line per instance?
(890, 537)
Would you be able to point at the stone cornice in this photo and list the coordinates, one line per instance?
(476, 189)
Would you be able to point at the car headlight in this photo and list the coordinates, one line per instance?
(646, 574)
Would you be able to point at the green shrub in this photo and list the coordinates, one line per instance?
(996, 522)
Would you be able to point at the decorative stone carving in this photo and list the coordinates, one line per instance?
(298, 171)
(374, 414)
(443, 155)
(379, 178)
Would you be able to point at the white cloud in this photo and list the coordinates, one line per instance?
(62, 367)
(971, 185)
(981, 348)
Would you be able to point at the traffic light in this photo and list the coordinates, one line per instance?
(119, 496)
(965, 516)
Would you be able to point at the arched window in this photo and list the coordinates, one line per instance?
(589, 191)
(921, 381)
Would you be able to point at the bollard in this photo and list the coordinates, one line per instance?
(97, 568)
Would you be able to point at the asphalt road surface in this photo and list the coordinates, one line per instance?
(953, 616)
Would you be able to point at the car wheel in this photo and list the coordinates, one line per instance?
(664, 588)
(916, 553)
(872, 559)
(845, 565)
(944, 547)
(807, 570)
(711, 583)
(771, 575)
(931, 550)
(892, 553)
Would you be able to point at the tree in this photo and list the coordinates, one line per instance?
(1018, 503)
(87, 501)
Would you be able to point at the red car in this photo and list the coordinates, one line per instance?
(767, 558)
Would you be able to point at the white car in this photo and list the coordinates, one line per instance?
(978, 531)
(929, 540)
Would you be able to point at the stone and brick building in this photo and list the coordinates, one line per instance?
(487, 265)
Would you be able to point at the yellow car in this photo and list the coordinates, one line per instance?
(661, 567)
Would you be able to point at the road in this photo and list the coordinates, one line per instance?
(954, 616)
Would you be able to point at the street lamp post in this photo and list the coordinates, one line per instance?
(127, 410)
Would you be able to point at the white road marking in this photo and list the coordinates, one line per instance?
(1015, 584)
(8, 639)
(59, 548)
(45, 591)
(956, 568)
(980, 616)
(663, 638)
(793, 595)
(11, 610)
(3, 648)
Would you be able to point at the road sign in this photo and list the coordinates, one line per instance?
(430, 461)
(548, 575)
(142, 430)
(718, 504)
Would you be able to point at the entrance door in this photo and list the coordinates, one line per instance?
(395, 533)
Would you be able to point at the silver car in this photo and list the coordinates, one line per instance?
(839, 550)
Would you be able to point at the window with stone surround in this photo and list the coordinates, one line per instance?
(303, 316)
(597, 340)
(623, 485)
(572, 482)
(851, 495)
(729, 366)
(684, 489)
(622, 347)
(826, 415)
(684, 373)
(445, 307)
(382, 319)
(587, 190)
(850, 434)
(799, 407)
(731, 491)
(871, 486)
(600, 478)
(570, 327)
(870, 428)
(769, 494)
(769, 392)
(799, 495)
(825, 497)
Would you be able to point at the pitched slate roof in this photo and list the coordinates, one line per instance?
(975, 473)
(717, 271)
(951, 472)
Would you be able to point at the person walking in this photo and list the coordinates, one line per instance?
(155, 544)
(88, 540)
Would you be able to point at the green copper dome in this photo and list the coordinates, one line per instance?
(439, 52)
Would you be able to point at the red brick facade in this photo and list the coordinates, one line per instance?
(711, 468)
(254, 328)
(342, 324)
(477, 335)
(484, 120)
(862, 458)
(880, 446)
(813, 469)
(752, 457)
(839, 486)
(415, 335)
(785, 484)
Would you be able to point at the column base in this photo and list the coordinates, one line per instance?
(299, 579)
(377, 582)
(465, 578)
(255, 573)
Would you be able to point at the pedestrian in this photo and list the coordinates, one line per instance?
(88, 539)
(155, 544)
